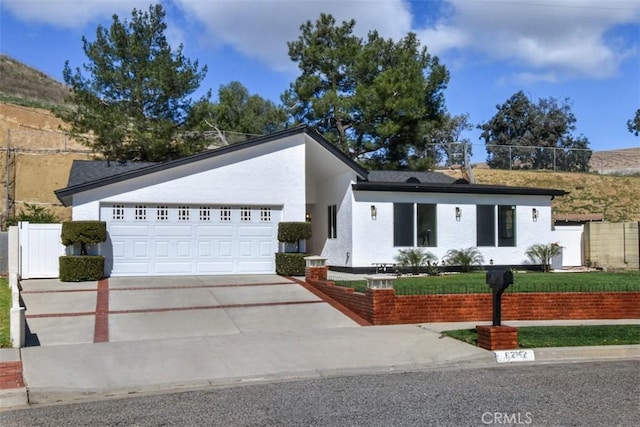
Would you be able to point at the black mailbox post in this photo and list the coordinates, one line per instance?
(499, 280)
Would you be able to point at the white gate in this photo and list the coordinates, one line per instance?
(40, 247)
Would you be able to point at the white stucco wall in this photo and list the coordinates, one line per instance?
(569, 237)
(334, 191)
(373, 239)
(268, 174)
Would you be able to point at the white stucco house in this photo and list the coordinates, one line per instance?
(217, 212)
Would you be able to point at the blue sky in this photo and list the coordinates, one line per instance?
(585, 50)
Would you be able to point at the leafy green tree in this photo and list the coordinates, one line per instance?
(465, 258)
(543, 254)
(237, 113)
(133, 102)
(523, 134)
(375, 99)
(634, 124)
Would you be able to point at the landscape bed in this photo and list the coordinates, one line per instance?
(563, 336)
(468, 283)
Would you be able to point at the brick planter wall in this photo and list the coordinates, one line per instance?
(383, 307)
(497, 337)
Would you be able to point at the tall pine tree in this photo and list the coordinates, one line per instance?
(133, 100)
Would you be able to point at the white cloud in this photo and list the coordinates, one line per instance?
(71, 13)
(544, 37)
(261, 29)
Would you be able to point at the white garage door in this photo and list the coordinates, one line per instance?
(189, 240)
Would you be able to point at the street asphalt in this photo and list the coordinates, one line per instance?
(141, 335)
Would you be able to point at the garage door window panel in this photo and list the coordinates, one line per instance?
(205, 213)
(162, 213)
(140, 213)
(183, 213)
(225, 214)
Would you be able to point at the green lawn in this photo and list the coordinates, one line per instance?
(563, 336)
(5, 311)
(523, 282)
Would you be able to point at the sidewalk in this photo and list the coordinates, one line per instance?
(73, 372)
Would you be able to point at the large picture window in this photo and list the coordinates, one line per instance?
(415, 224)
(486, 225)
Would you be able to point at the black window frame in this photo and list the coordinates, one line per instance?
(332, 221)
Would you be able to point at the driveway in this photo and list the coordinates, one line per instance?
(134, 309)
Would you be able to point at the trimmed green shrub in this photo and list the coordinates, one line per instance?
(80, 268)
(289, 264)
(83, 232)
(292, 232)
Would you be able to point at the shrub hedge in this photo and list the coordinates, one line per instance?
(292, 232)
(83, 232)
(80, 268)
(290, 264)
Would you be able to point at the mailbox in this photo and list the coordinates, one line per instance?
(498, 279)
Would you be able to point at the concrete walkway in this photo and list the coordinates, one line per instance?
(145, 351)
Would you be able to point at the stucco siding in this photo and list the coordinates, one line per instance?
(334, 191)
(373, 239)
(270, 174)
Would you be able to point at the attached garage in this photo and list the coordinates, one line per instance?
(154, 239)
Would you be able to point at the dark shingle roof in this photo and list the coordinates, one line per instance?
(409, 176)
(108, 175)
(83, 171)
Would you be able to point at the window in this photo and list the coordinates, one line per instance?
(140, 213)
(117, 212)
(225, 213)
(183, 213)
(426, 225)
(403, 224)
(265, 214)
(205, 213)
(506, 225)
(162, 213)
(245, 214)
(486, 225)
(332, 221)
(415, 224)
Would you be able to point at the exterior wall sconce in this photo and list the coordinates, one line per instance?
(491, 261)
(374, 212)
(534, 214)
(458, 213)
(307, 217)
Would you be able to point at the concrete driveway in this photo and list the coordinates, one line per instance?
(134, 309)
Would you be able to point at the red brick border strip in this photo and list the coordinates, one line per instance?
(11, 375)
(212, 307)
(101, 331)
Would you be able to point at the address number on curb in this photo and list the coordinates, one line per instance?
(506, 356)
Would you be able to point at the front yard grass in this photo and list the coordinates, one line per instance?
(523, 282)
(5, 311)
(563, 336)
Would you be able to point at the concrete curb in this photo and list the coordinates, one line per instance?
(18, 397)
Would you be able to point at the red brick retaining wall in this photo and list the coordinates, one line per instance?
(383, 307)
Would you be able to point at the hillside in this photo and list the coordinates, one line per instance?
(614, 196)
(23, 85)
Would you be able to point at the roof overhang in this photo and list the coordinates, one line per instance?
(65, 195)
(455, 188)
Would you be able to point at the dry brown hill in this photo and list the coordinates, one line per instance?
(617, 197)
(24, 85)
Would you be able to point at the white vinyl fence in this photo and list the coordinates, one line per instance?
(40, 247)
